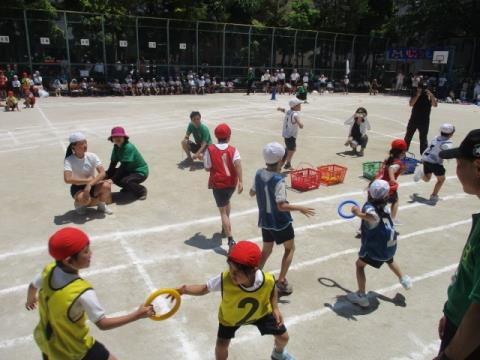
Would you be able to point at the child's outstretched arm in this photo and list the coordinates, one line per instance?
(281, 109)
(364, 216)
(275, 310)
(142, 312)
(285, 206)
(32, 300)
(195, 290)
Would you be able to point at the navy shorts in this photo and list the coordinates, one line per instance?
(194, 147)
(291, 143)
(97, 352)
(279, 236)
(222, 196)
(436, 169)
(377, 264)
(392, 198)
(267, 325)
(74, 189)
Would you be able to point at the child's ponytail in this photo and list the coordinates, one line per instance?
(69, 150)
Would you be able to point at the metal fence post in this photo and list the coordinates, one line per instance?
(168, 46)
(295, 48)
(68, 46)
(223, 51)
(196, 48)
(105, 66)
(271, 52)
(315, 51)
(249, 44)
(138, 45)
(352, 60)
(27, 36)
(333, 56)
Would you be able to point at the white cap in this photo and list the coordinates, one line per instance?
(447, 129)
(294, 102)
(379, 189)
(273, 153)
(76, 137)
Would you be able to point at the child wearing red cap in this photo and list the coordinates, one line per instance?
(29, 99)
(249, 297)
(391, 169)
(224, 164)
(65, 300)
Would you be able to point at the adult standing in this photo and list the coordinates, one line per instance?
(250, 80)
(201, 136)
(133, 169)
(459, 328)
(421, 105)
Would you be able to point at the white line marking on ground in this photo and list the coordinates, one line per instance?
(426, 351)
(50, 125)
(167, 227)
(14, 139)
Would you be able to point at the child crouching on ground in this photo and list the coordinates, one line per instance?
(11, 102)
(379, 240)
(357, 136)
(249, 297)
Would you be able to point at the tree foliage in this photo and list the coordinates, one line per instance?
(407, 20)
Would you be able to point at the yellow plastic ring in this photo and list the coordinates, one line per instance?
(174, 293)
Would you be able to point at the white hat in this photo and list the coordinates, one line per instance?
(76, 137)
(447, 129)
(273, 153)
(379, 189)
(294, 102)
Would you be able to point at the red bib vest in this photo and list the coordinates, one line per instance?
(384, 175)
(223, 174)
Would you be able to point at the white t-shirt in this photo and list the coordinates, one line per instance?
(82, 168)
(16, 83)
(290, 124)
(280, 188)
(207, 161)
(431, 154)
(281, 76)
(87, 302)
(294, 76)
(215, 283)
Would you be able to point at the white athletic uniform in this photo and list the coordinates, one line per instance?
(438, 144)
(290, 124)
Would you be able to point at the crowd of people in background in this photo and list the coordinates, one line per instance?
(15, 85)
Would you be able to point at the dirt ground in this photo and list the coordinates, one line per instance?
(173, 237)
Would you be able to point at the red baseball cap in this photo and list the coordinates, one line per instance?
(246, 253)
(399, 144)
(67, 242)
(223, 132)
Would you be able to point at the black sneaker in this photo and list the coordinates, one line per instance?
(283, 288)
(288, 166)
(231, 244)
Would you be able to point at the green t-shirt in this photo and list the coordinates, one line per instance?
(465, 287)
(200, 134)
(130, 157)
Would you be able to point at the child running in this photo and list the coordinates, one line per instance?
(357, 136)
(65, 300)
(379, 240)
(433, 163)
(291, 123)
(249, 297)
(391, 169)
(223, 162)
(274, 212)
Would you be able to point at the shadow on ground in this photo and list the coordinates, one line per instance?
(344, 308)
(192, 166)
(72, 217)
(349, 153)
(214, 243)
(420, 199)
(123, 198)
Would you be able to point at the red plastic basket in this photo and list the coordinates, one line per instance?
(331, 174)
(305, 179)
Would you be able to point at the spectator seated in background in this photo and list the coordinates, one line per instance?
(117, 88)
(230, 86)
(75, 87)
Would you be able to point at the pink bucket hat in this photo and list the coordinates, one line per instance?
(118, 131)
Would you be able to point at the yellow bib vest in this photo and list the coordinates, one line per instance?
(240, 306)
(57, 335)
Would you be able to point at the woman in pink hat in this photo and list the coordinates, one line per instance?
(133, 169)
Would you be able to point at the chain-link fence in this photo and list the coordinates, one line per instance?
(72, 45)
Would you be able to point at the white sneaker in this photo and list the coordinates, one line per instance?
(358, 299)
(418, 175)
(80, 209)
(102, 207)
(406, 282)
(397, 222)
